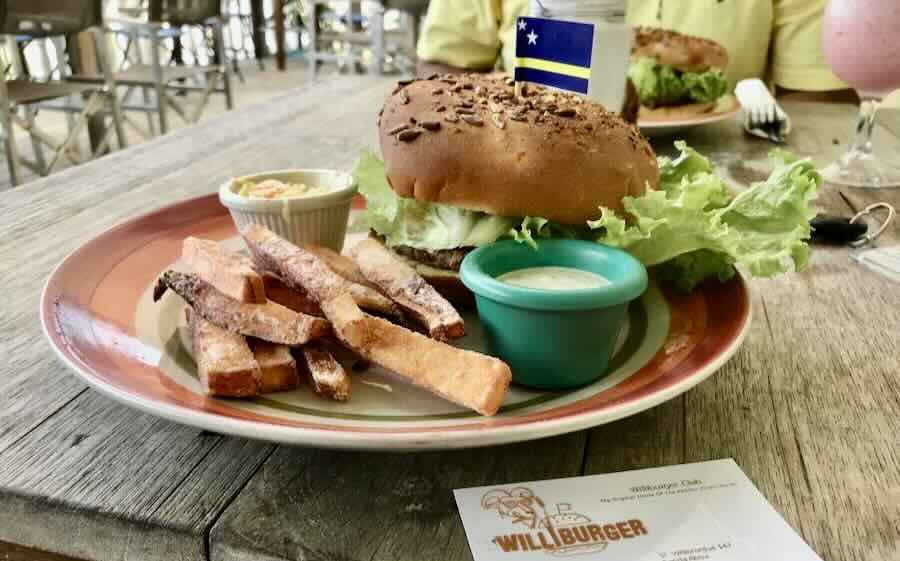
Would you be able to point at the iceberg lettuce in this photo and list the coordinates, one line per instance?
(416, 224)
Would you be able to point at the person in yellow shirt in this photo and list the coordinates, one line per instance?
(776, 40)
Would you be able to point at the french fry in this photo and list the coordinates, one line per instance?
(291, 298)
(229, 272)
(275, 255)
(467, 378)
(278, 369)
(340, 264)
(225, 364)
(268, 321)
(403, 285)
(324, 374)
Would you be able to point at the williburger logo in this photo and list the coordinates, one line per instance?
(559, 531)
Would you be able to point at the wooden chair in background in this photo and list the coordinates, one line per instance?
(24, 94)
(344, 38)
(165, 83)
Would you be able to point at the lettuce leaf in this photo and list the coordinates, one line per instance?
(660, 84)
(421, 225)
(705, 87)
(536, 227)
(693, 224)
(656, 84)
(382, 205)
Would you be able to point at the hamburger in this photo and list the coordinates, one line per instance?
(676, 75)
(470, 159)
(467, 157)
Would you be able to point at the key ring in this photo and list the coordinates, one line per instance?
(869, 238)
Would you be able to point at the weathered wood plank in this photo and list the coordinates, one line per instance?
(342, 506)
(808, 410)
(13, 552)
(833, 368)
(324, 126)
(808, 407)
(102, 481)
(650, 439)
(112, 484)
(54, 215)
(815, 376)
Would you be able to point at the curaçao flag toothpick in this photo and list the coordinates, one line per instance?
(567, 55)
(555, 53)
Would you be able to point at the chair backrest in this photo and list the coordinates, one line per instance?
(184, 12)
(43, 18)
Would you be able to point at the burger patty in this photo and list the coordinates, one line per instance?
(441, 258)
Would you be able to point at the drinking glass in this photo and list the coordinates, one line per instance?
(861, 42)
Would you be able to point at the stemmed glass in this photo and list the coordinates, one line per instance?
(861, 42)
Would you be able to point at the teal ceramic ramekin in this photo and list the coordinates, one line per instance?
(553, 339)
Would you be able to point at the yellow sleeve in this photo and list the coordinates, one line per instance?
(796, 55)
(461, 33)
(511, 11)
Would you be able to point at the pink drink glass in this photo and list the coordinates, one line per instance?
(861, 42)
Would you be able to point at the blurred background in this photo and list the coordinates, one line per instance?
(198, 56)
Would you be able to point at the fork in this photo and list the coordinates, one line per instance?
(763, 116)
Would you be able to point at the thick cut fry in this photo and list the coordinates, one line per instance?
(291, 298)
(403, 285)
(301, 268)
(278, 369)
(464, 377)
(231, 273)
(268, 321)
(324, 374)
(340, 264)
(467, 378)
(225, 364)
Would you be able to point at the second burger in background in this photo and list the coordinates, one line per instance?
(676, 75)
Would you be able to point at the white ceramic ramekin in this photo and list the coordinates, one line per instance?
(316, 219)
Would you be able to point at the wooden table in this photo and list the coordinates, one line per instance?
(809, 408)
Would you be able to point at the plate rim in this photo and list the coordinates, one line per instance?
(476, 436)
(660, 124)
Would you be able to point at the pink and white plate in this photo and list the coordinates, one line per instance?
(98, 315)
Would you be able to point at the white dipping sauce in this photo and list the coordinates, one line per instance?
(553, 278)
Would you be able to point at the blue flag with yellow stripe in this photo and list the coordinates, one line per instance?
(554, 53)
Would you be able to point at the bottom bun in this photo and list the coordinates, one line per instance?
(675, 112)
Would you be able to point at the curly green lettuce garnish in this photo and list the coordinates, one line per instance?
(535, 227)
(696, 228)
